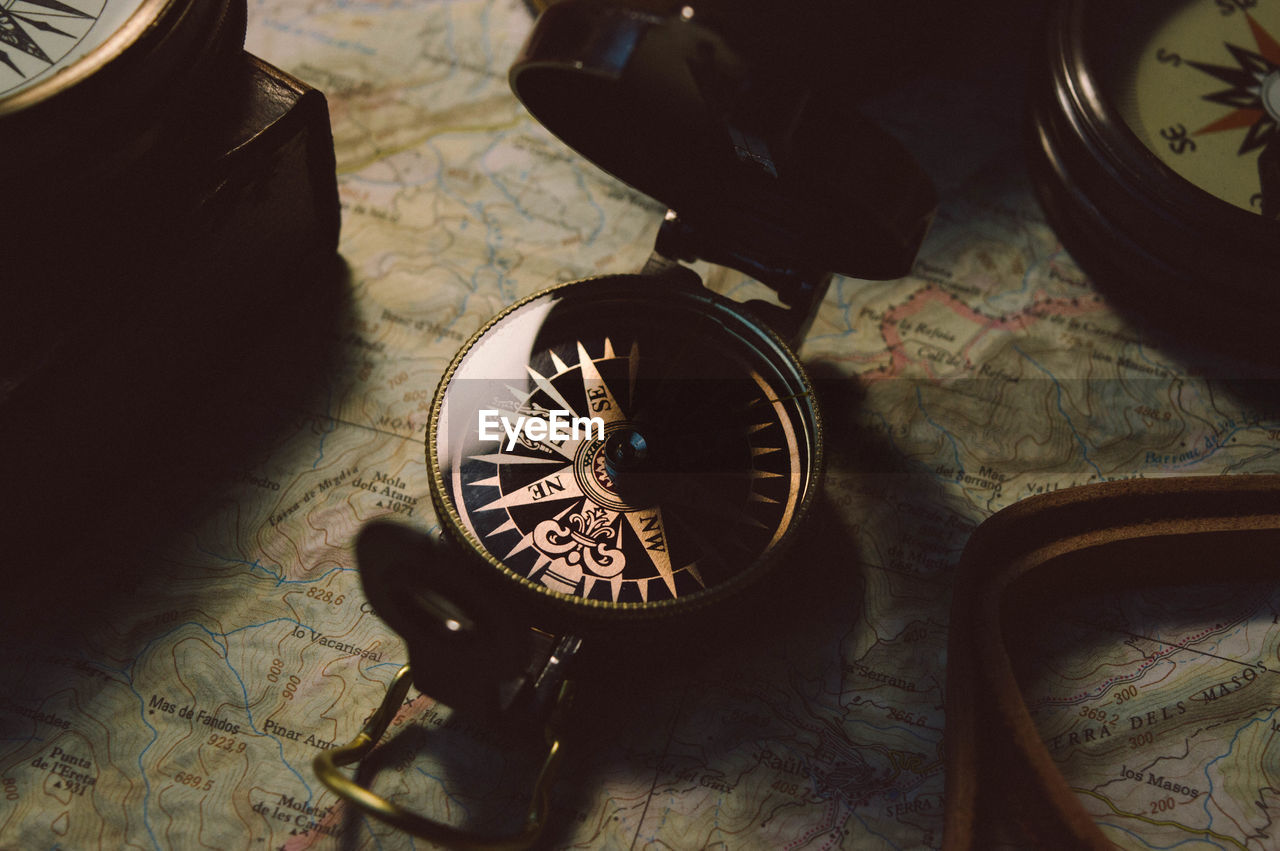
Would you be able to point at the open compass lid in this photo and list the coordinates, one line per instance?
(691, 105)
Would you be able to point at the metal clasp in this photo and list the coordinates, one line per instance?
(326, 766)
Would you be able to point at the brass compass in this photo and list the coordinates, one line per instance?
(616, 458)
(706, 445)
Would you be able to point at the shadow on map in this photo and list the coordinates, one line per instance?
(641, 708)
(113, 451)
(682, 712)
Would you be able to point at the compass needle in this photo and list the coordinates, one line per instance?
(509, 526)
(514, 458)
(523, 544)
(55, 6)
(521, 397)
(4, 57)
(52, 37)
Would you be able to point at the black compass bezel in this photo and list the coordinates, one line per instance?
(559, 611)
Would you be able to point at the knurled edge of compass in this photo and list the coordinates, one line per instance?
(556, 606)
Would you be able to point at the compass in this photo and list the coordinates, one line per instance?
(151, 162)
(1155, 155)
(112, 69)
(43, 37)
(706, 450)
(619, 460)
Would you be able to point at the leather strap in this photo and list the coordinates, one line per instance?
(1116, 535)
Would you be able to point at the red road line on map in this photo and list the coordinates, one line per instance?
(1147, 662)
(894, 316)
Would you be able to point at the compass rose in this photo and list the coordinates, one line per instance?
(1254, 93)
(700, 467)
(39, 35)
(598, 518)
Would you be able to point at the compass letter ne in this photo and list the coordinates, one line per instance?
(544, 488)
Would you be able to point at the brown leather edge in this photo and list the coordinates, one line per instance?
(1023, 544)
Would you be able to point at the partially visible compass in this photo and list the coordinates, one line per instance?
(704, 455)
(71, 62)
(1156, 155)
(40, 37)
(154, 170)
(1205, 95)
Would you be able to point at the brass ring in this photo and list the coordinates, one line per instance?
(326, 767)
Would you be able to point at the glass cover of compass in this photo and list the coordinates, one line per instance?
(39, 38)
(625, 444)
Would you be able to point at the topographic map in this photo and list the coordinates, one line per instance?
(993, 372)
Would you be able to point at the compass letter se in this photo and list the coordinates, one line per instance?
(559, 426)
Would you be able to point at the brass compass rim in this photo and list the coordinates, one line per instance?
(595, 610)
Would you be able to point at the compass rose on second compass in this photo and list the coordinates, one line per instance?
(39, 37)
(1205, 98)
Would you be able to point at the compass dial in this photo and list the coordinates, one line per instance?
(1203, 94)
(38, 38)
(1155, 156)
(610, 445)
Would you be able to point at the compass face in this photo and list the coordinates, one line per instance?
(1203, 94)
(667, 447)
(40, 37)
